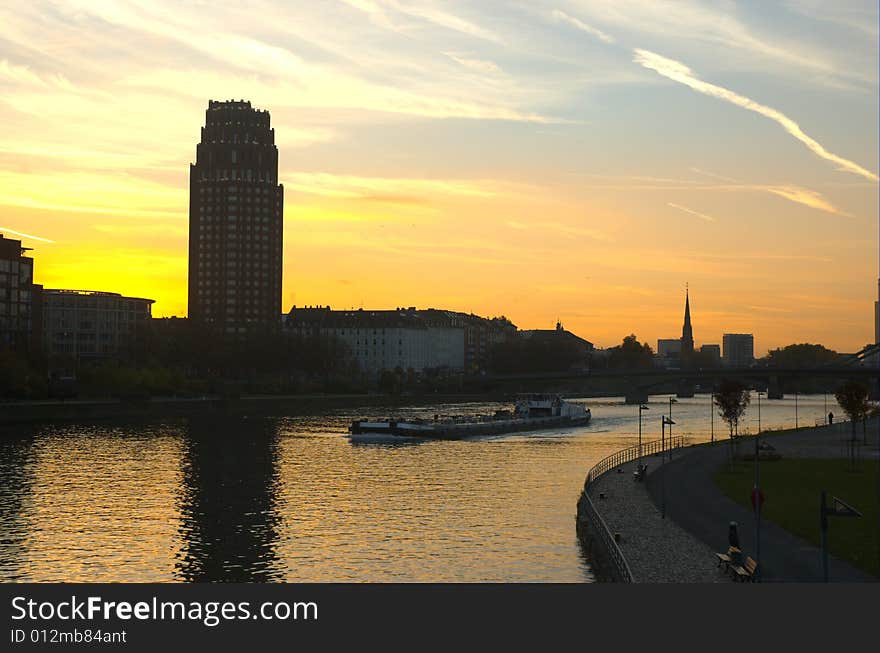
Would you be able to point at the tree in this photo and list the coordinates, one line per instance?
(631, 355)
(801, 356)
(732, 399)
(853, 398)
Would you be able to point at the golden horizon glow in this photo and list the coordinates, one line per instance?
(442, 154)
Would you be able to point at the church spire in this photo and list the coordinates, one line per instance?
(687, 332)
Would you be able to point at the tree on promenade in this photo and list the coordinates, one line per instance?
(853, 398)
(732, 399)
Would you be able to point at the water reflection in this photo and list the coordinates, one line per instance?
(228, 508)
(16, 481)
(295, 500)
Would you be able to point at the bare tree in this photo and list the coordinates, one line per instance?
(853, 398)
(732, 399)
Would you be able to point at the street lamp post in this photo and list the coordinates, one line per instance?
(759, 411)
(642, 407)
(795, 409)
(712, 415)
(756, 493)
(672, 400)
(663, 422)
(826, 407)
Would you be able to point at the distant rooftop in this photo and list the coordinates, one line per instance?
(93, 293)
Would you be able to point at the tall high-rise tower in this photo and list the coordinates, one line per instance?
(877, 316)
(687, 332)
(236, 209)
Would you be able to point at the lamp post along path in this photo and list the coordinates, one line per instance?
(663, 422)
(642, 407)
(756, 492)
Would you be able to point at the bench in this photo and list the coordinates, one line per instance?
(727, 559)
(639, 474)
(746, 572)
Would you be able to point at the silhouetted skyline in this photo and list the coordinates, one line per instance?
(555, 160)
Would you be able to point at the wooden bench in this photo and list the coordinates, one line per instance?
(746, 572)
(726, 559)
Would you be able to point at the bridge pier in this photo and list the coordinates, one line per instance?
(685, 390)
(636, 396)
(774, 390)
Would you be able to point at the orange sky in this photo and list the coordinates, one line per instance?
(574, 161)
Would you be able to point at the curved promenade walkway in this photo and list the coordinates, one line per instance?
(680, 548)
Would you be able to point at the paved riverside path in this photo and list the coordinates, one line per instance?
(657, 550)
(697, 505)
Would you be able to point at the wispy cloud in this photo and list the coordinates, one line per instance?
(803, 196)
(579, 24)
(477, 65)
(791, 192)
(702, 216)
(680, 73)
(379, 12)
(24, 235)
(356, 187)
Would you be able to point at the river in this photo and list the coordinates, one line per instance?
(292, 499)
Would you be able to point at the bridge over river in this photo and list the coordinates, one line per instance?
(637, 384)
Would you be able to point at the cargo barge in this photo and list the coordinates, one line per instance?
(532, 412)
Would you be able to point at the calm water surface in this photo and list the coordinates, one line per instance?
(292, 499)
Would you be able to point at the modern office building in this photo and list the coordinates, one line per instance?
(20, 317)
(91, 324)
(739, 349)
(236, 208)
(877, 316)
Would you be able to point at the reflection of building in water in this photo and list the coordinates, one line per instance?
(228, 510)
(16, 486)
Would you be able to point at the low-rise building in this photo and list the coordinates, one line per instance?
(404, 338)
(582, 349)
(669, 347)
(711, 352)
(86, 323)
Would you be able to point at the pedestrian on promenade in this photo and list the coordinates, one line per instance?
(830, 418)
(732, 535)
(733, 540)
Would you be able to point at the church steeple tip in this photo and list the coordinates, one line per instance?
(687, 332)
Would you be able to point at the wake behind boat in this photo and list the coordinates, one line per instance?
(533, 412)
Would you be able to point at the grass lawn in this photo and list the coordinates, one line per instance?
(792, 490)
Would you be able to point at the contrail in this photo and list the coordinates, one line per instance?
(24, 235)
(589, 29)
(702, 216)
(678, 72)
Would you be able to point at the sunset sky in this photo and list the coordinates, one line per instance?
(573, 160)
